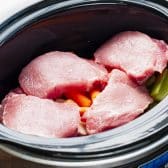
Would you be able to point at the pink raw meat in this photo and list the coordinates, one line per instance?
(162, 45)
(41, 117)
(135, 53)
(120, 102)
(50, 75)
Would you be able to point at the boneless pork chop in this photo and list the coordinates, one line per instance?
(120, 102)
(41, 117)
(51, 74)
(162, 44)
(135, 53)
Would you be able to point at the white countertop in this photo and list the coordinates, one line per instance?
(10, 7)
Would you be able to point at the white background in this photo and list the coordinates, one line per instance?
(10, 7)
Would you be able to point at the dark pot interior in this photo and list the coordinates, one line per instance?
(81, 28)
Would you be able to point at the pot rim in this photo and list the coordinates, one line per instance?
(147, 125)
(114, 161)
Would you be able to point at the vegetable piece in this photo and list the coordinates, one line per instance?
(150, 81)
(160, 88)
(82, 110)
(79, 98)
(94, 94)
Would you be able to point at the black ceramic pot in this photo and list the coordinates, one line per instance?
(81, 26)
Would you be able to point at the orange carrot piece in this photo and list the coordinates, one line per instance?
(79, 98)
(94, 94)
(82, 110)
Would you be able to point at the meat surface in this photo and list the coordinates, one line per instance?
(120, 102)
(162, 45)
(50, 75)
(41, 117)
(135, 53)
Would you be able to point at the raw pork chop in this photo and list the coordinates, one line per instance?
(120, 102)
(51, 74)
(41, 117)
(135, 53)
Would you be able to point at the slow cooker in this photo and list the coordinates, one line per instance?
(81, 26)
